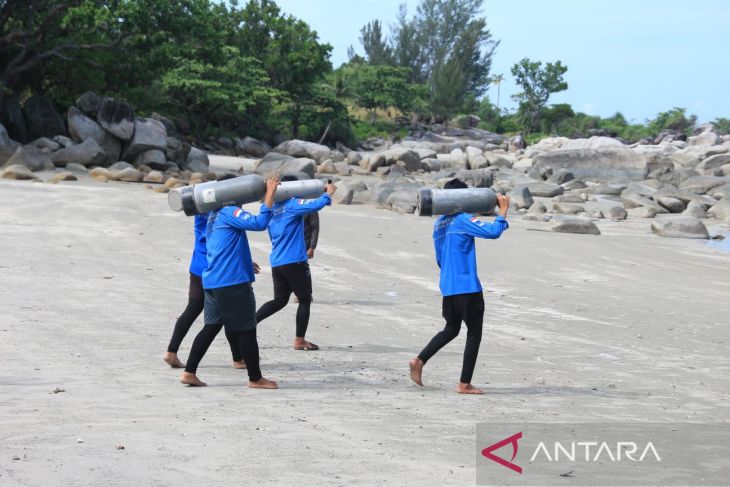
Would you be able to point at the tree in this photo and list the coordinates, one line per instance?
(290, 51)
(380, 87)
(674, 119)
(446, 36)
(722, 125)
(225, 92)
(377, 50)
(537, 85)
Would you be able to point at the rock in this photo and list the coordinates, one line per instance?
(703, 184)
(89, 103)
(170, 126)
(63, 141)
(641, 212)
(301, 148)
(721, 210)
(592, 143)
(603, 164)
(88, 153)
(713, 162)
(17, 172)
(695, 209)
(148, 135)
(411, 158)
(521, 197)
(76, 168)
(118, 166)
(705, 138)
(674, 205)
(42, 119)
(573, 224)
(499, 160)
(353, 158)
(46, 145)
(475, 158)
(251, 147)
(117, 118)
(327, 167)
(63, 176)
(568, 198)
(561, 176)
(282, 164)
(198, 156)
(197, 166)
(679, 227)
(614, 189)
(5, 140)
(573, 184)
(720, 192)
(154, 177)
(154, 158)
(537, 208)
(544, 190)
(12, 120)
(567, 209)
(129, 174)
(100, 173)
(613, 210)
(477, 178)
(81, 127)
(517, 143)
(31, 158)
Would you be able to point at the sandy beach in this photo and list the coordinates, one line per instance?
(625, 326)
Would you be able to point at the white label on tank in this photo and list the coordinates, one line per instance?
(209, 195)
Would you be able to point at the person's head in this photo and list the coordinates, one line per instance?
(455, 183)
(288, 177)
(225, 176)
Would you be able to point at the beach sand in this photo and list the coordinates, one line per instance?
(625, 326)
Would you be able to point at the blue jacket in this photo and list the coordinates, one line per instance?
(286, 230)
(453, 239)
(199, 261)
(229, 256)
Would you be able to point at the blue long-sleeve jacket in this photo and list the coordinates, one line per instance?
(453, 239)
(199, 261)
(229, 256)
(286, 229)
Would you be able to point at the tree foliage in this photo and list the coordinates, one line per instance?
(537, 84)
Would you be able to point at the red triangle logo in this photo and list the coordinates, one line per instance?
(487, 452)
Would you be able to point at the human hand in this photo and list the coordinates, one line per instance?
(503, 203)
(310, 253)
(256, 268)
(330, 188)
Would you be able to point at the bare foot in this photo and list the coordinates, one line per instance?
(191, 380)
(416, 366)
(263, 384)
(463, 388)
(239, 364)
(302, 344)
(171, 359)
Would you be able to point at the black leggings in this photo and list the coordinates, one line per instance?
(247, 343)
(460, 307)
(288, 279)
(191, 313)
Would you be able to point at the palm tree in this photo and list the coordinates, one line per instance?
(497, 80)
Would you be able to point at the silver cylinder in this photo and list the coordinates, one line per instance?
(205, 197)
(307, 189)
(451, 201)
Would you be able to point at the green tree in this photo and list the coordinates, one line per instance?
(377, 50)
(674, 119)
(497, 81)
(537, 85)
(722, 125)
(224, 92)
(290, 51)
(380, 87)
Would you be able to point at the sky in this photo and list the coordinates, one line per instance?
(638, 57)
